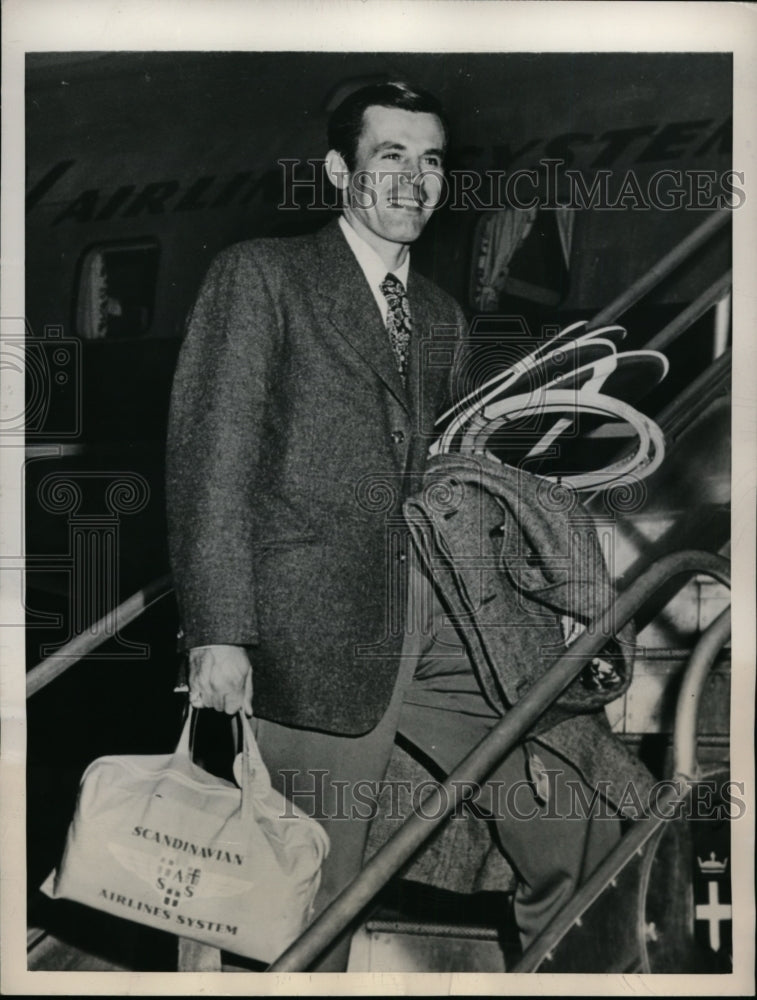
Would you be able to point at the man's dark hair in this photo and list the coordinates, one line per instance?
(346, 121)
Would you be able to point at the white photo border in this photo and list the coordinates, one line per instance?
(384, 25)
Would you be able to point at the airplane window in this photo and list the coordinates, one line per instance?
(521, 254)
(117, 290)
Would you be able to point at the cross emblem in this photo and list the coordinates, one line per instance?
(713, 911)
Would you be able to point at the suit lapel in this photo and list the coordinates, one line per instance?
(425, 373)
(353, 309)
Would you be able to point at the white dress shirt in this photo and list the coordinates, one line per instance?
(372, 266)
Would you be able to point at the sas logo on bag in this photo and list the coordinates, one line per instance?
(176, 882)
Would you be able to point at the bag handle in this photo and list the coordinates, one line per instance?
(254, 771)
(186, 739)
(255, 780)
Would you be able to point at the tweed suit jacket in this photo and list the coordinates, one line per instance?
(292, 444)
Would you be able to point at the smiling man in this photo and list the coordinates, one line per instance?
(303, 408)
(302, 412)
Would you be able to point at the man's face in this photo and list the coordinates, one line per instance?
(395, 185)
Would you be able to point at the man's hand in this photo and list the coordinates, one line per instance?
(220, 677)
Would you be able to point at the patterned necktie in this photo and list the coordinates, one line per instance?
(398, 322)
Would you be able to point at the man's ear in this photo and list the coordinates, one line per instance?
(336, 170)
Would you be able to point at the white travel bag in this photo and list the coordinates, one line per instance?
(158, 840)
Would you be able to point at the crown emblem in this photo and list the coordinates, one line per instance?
(712, 866)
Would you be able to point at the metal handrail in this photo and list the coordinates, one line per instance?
(96, 635)
(665, 266)
(714, 381)
(685, 772)
(446, 797)
(701, 660)
(694, 399)
(688, 316)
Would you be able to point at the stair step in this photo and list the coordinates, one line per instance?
(432, 929)
(419, 928)
(411, 946)
(50, 954)
(64, 935)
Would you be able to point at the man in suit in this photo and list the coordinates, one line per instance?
(303, 407)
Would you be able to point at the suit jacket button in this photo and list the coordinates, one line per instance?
(398, 437)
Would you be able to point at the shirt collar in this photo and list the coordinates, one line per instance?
(373, 267)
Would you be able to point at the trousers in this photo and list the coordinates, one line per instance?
(439, 708)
